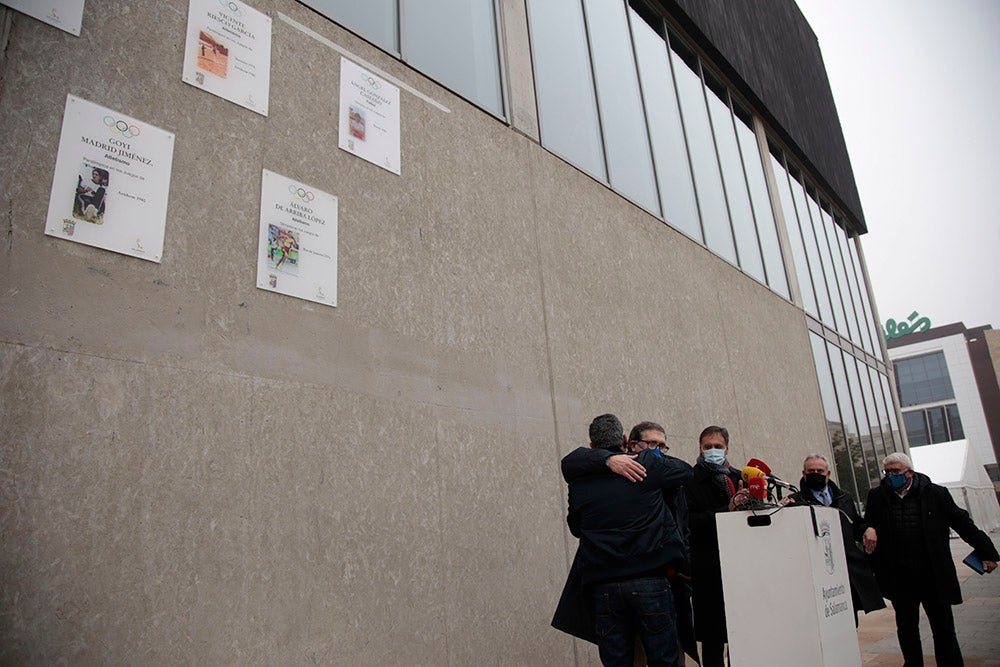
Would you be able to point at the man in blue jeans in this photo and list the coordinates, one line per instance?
(629, 544)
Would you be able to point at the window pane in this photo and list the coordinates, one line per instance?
(735, 182)
(564, 85)
(834, 426)
(871, 407)
(923, 379)
(711, 198)
(956, 432)
(375, 20)
(938, 427)
(884, 424)
(455, 42)
(916, 428)
(767, 231)
(794, 236)
(822, 222)
(852, 296)
(840, 293)
(896, 437)
(863, 421)
(666, 132)
(874, 329)
(846, 402)
(812, 250)
(620, 103)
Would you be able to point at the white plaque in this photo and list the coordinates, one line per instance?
(369, 116)
(64, 14)
(228, 52)
(297, 246)
(111, 181)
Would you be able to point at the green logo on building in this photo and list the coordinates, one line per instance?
(895, 329)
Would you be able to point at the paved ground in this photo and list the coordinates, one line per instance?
(977, 620)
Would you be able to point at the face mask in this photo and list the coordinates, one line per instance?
(897, 481)
(815, 481)
(714, 456)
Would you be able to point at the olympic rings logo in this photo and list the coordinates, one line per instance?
(121, 127)
(301, 193)
(231, 6)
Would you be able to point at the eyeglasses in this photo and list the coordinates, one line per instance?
(652, 444)
(894, 471)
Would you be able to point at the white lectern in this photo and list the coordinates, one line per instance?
(788, 600)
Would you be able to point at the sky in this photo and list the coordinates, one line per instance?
(917, 88)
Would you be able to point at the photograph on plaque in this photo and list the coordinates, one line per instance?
(63, 14)
(111, 182)
(297, 248)
(369, 116)
(228, 52)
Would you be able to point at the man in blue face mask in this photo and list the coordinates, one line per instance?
(715, 487)
(912, 558)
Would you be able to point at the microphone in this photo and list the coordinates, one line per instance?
(777, 481)
(757, 487)
(757, 463)
(752, 472)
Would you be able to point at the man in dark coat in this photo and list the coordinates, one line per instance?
(715, 487)
(573, 613)
(912, 558)
(628, 544)
(819, 489)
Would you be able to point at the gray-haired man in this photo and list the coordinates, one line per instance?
(912, 559)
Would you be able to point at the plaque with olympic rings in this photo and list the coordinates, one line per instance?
(111, 182)
(297, 243)
(64, 14)
(369, 116)
(228, 52)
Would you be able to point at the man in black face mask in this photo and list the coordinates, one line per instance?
(819, 489)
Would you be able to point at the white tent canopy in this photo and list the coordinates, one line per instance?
(954, 465)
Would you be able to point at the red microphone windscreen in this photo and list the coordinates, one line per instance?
(757, 463)
(758, 488)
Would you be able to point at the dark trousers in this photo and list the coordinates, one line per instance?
(907, 607)
(711, 654)
(644, 606)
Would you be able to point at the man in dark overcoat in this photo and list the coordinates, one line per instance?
(819, 489)
(912, 559)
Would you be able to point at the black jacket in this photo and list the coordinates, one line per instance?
(625, 528)
(575, 612)
(939, 513)
(705, 499)
(865, 592)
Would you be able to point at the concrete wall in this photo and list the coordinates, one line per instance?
(193, 470)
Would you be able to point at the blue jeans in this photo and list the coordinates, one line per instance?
(645, 605)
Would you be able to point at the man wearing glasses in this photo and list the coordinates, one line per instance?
(912, 558)
(629, 544)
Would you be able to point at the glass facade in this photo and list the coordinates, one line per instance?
(923, 379)
(927, 398)
(452, 41)
(564, 84)
(860, 420)
(622, 95)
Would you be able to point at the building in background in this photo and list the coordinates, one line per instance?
(638, 207)
(946, 377)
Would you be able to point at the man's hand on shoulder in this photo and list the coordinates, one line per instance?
(626, 466)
